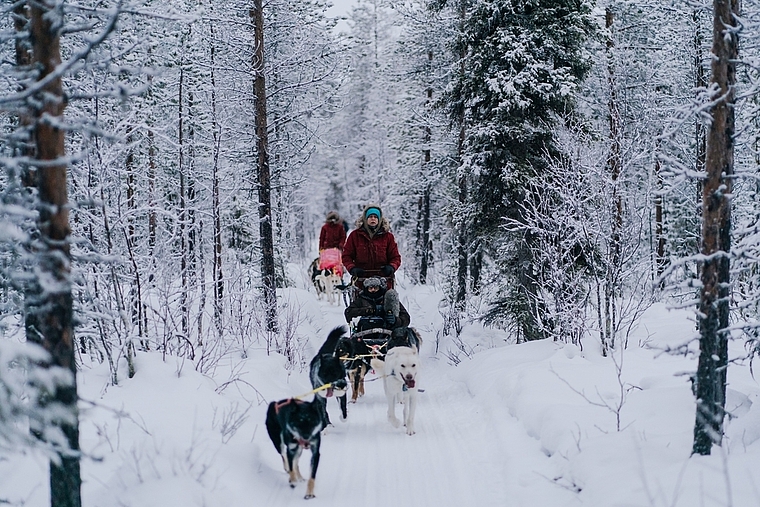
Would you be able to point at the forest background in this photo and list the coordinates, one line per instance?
(541, 162)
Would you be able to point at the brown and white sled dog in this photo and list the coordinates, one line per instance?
(399, 372)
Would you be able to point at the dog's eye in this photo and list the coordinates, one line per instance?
(403, 366)
(414, 365)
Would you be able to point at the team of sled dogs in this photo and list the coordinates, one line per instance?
(294, 424)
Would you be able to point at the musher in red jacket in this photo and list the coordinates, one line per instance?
(371, 249)
(332, 234)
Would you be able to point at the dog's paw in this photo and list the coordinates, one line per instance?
(394, 421)
(410, 431)
(309, 497)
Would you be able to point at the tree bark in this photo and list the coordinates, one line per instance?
(266, 237)
(710, 381)
(53, 304)
(216, 205)
(423, 230)
(614, 167)
(461, 292)
(700, 137)
(183, 240)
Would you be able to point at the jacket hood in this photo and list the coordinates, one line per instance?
(332, 217)
(383, 226)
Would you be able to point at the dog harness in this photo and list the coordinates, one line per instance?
(278, 406)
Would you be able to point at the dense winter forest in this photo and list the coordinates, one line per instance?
(553, 167)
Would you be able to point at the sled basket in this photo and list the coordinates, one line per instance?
(330, 258)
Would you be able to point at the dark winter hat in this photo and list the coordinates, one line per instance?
(375, 282)
(373, 211)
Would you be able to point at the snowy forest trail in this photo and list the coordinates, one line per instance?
(463, 453)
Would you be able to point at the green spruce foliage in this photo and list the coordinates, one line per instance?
(523, 62)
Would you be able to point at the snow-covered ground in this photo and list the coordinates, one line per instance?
(538, 424)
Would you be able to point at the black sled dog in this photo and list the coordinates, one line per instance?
(355, 354)
(327, 369)
(294, 425)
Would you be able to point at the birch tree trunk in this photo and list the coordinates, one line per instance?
(710, 381)
(266, 237)
(53, 301)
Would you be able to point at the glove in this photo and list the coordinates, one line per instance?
(387, 270)
(357, 272)
(390, 319)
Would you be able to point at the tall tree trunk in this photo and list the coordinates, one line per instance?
(215, 205)
(659, 219)
(54, 307)
(700, 137)
(710, 381)
(266, 238)
(136, 291)
(424, 232)
(462, 228)
(423, 229)
(614, 167)
(183, 254)
(476, 265)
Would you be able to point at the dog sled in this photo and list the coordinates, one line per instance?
(372, 331)
(330, 259)
(370, 339)
(355, 286)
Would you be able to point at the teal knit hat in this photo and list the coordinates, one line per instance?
(373, 211)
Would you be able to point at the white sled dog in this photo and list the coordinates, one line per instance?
(399, 372)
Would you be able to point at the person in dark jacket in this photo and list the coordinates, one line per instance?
(371, 248)
(372, 301)
(332, 234)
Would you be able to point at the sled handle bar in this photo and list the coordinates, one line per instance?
(377, 330)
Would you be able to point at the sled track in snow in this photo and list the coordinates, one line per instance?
(367, 462)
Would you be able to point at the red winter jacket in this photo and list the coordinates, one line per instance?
(371, 253)
(332, 235)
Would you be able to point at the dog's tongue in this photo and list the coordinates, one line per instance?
(330, 391)
(409, 382)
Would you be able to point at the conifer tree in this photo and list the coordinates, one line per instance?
(523, 64)
(710, 381)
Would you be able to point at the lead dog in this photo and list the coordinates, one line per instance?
(294, 425)
(326, 369)
(399, 372)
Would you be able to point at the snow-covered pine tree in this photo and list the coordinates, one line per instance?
(523, 65)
